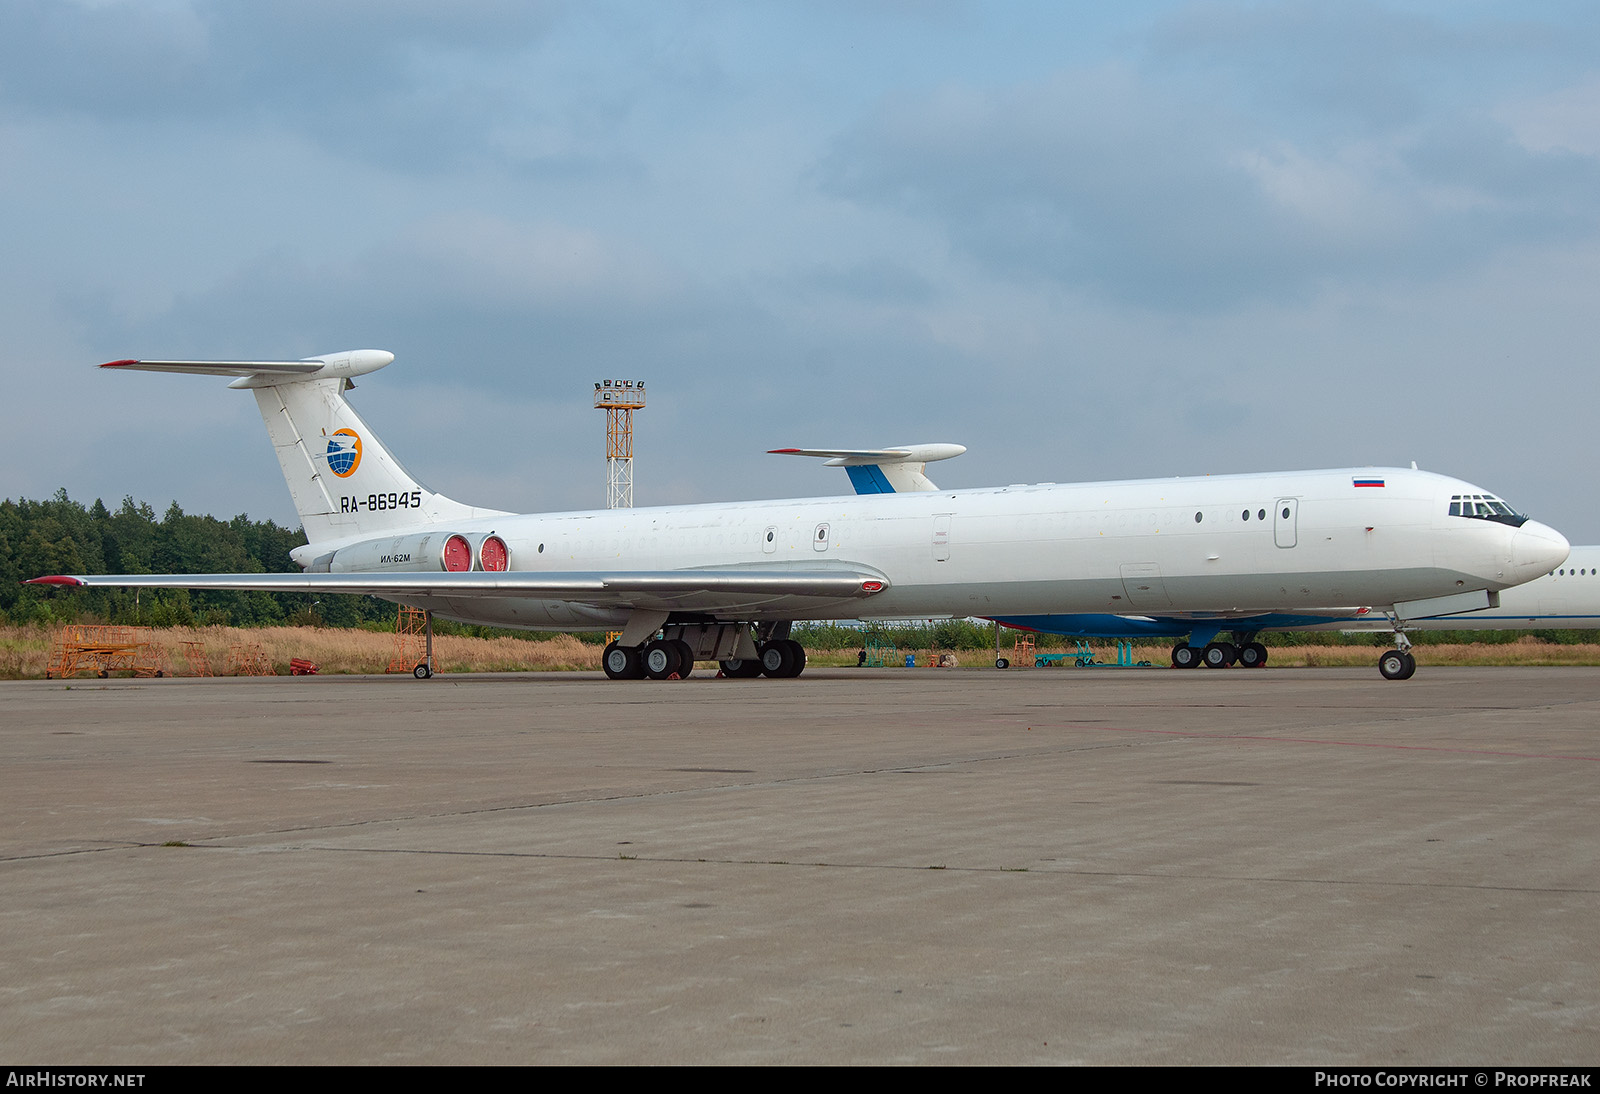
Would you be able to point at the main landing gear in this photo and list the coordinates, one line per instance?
(780, 658)
(1219, 655)
(732, 646)
(666, 658)
(663, 659)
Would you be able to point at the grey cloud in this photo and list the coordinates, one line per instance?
(1376, 66)
(206, 57)
(878, 281)
(500, 294)
(1116, 183)
(113, 60)
(357, 75)
(1552, 188)
(1081, 179)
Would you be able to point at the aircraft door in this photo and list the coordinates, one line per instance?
(1286, 518)
(769, 540)
(1144, 586)
(941, 537)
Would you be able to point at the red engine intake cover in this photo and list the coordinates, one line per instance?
(493, 554)
(457, 554)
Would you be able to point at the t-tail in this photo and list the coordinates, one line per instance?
(344, 481)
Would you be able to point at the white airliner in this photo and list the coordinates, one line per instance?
(725, 581)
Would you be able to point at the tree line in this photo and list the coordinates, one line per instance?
(63, 536)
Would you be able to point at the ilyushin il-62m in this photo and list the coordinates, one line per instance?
(724, 582)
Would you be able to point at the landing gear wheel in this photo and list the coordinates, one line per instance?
(661, 660)
(1002, 663)
(1185, 656)
(685, 658)
(1397, 665)
(1252, 655)
(1219, 655)
(782, 659)
(741, 668)
(775, 659)
(422, 671)
(799, 654)
(622, 662)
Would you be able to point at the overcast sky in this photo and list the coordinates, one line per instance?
(1087, 241)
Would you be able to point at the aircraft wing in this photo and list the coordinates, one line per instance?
(709, 590)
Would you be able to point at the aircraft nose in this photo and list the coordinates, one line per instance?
(1537, 549)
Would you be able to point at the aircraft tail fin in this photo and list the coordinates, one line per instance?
(343, 479)
(899, 470)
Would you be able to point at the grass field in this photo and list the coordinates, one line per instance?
(25, 652)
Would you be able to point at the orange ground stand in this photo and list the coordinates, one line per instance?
(1024, 650)
(410, 640)
(103, 650)
(195, 653)
(248, 659)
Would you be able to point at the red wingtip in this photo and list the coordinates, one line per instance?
(119, 364)
(781, 451)
(58, 579)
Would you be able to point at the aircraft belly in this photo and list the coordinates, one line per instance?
(1238, 593)
(1296, 591)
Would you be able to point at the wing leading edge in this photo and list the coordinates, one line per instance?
(688, 590)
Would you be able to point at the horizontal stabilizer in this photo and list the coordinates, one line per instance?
(897, 470)
(220, 368)
(263, 373)
(847, 457)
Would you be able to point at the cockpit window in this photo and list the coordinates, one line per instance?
(1485, 507)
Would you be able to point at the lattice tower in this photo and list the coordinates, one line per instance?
(619, 399)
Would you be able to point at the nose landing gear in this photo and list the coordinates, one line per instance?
(1398, 664)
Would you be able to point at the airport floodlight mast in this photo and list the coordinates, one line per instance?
(619, 399)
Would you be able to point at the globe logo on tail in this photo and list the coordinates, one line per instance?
(344, 453)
